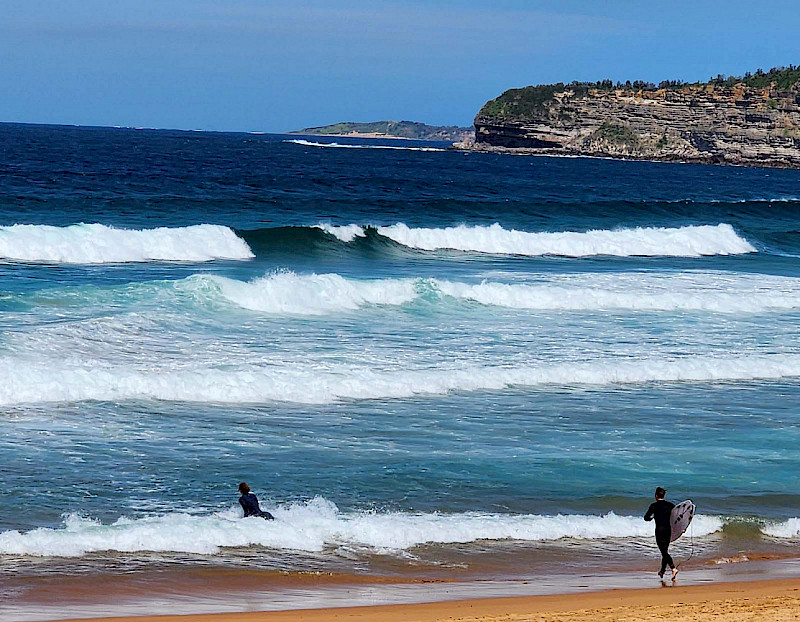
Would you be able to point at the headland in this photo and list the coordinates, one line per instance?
(752, 120)
(409, 130)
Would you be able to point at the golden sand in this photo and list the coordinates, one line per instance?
(752, 601)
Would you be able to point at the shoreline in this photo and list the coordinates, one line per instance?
(764, 600)
(222, 595)
(466, 147)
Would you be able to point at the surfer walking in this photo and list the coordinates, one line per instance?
(249, 503)
(660, 510)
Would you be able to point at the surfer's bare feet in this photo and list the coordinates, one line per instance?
(674, 573)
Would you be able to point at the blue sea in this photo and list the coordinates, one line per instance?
(424, 362)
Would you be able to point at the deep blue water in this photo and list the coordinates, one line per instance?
(394, 347)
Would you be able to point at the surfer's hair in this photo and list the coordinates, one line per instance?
(244, 488)
(660, 492)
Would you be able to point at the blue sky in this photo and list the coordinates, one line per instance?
(275, 65)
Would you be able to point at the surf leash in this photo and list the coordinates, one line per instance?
(691, 540)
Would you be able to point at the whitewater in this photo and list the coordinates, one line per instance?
(97, 244)
(419, 360)
(691, 241)
(318, 525)
(312, 384)
(318, 294)
(335, 145)
(286, 292)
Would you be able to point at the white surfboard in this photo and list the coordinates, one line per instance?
(679, 518)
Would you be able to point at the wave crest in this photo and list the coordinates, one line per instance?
(689, 241)
(334, 145)
(315, 294)
(317, 525)
(37, 383)
(318, 294)
(100, 244)
(701, 291)
(787, 529)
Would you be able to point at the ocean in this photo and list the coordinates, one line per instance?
(425, 363)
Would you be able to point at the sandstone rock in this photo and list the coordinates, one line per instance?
(735, 124)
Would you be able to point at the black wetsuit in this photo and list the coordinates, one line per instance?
(660, 510)
(249, 504)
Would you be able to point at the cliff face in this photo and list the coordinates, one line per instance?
(733, 124)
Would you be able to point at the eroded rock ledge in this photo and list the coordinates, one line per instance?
(724, 122)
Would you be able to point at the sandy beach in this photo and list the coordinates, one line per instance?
(768, 601)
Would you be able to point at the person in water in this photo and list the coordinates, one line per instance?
(661, 510)
(249, 503)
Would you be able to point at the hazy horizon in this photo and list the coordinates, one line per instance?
(276, 66)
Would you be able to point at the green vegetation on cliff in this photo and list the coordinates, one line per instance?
(784, 78)
(521, 103)
(616, 133)
(394, 129)
(751, 120)
(531, 102)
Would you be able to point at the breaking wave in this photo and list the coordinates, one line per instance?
(31, 382)
(315, 294)
(289, 293)
(318, 294)
(316, 526)
(100, 244)
(787, 529)
(689, 241)
(710, 292)
(329, 293)
(309, 143)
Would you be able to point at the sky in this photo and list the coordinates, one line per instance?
(279, 65)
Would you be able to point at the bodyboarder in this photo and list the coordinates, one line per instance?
(249, 503)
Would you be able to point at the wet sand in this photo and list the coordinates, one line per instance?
(225, 594)
(760, 601)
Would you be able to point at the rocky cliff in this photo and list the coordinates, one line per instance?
(744, 121)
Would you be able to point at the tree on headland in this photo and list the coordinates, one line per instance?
(783, 78)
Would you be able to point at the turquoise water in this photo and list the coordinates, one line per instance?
(413, 357)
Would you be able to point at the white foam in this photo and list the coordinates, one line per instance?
(737, 559)
(287, 292)
(786, 529)
(691, 241)
(98, 244)
(318, 525)
(315, 294)
(346, 233)
(309, 143)
(688, 291)
(326, 382)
